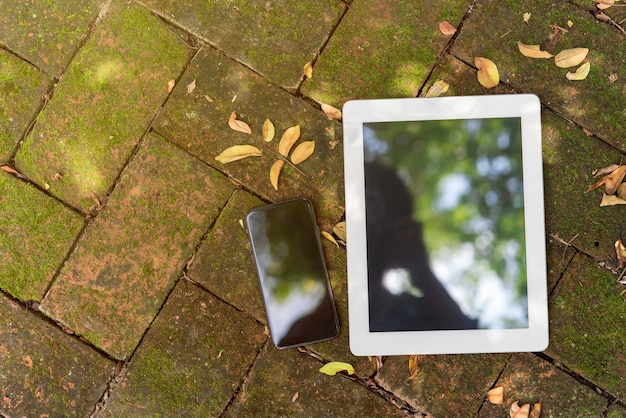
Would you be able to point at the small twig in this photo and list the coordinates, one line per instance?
(566, 243)
(619, 279)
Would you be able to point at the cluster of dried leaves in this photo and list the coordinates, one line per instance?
(614, 187)
(496, 397)
(340, 232)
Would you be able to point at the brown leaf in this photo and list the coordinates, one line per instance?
(330, 238)
(620, 250)
(237, 125)
(8, 169)
(612, 181)
(533, 51)
(191, 87)
(170, 85)
(535, 412)
(275, 172)
(268, 131)
(302, 152)
(96, 200)
(446, 28)
(605, 170)
(611, 200)
(570, 57)
(581, 73)
(340, 231)
(488, 75)
(604, 4)
(438, 88)
(621, 191)
(496, 395)
(289, 138)
(378, 362)
(209, 98)
(331, 112)
(308, 70)
(237, 152)
(517, 411)
(413, 366)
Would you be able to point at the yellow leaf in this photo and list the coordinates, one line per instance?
(170, 85)
(340, 231)
(308, 70)
(275, 172)
(446, 28)
(620, 250)
(526, 17)
(238, 152)
(535, 412)
(331, 112)
(570, 23)
(237, 125)
(191, 87)
(330, 238)
(612, 181)
(268, 131)
(438, 88)
(488, 75)
(570, 57)
(496, 395)
(519, 412)
(333, 367)
(621, 191)
(581, 73)
(611, 200)
(413, 366)
(289, 138)
(532, 51)
(302, 152)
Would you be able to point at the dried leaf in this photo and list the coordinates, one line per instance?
(519, 412)
(605, 170)
(533, 51)
(8, 169)
(302, 152)
(570, 23)
(612, 181)
(237, 125)
(340, 231)
(275, 172)
(96, 200)
(621, 191)
(268, 131)
(191, 87)
(208, 98)
(613, 78)
(331, 112)
(581, 73)
(526, 17)
(378, 362)
(413, 366)
(294, 397)
(330, 238)
(611, 200)
(570, 57)
(620, 250)
(446, 28)
(488, 75)
(308, 70)
(438, 88)
(289, 138)
(535, 412)
(333, 367)
(496, 395)
(170, 85)
(237, 152)
(604, 4)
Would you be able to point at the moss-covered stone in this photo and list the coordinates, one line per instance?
(102, 106)
(382, 49)
(121, 272)
(37, 233)
(191, 361)
(44, 371)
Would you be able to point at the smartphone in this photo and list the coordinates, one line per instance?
(292, 272)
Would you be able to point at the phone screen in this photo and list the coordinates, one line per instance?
(292, 273)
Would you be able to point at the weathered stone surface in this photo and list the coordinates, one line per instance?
(445, 386)
(191, 361)
(44, 371)
(119, 275)
(286, 383)
(102, 106)
(591, 102)
(47, 32)
(275, 38)
(588, 324)
(22, 89)
(382, 49)
(528, 379)
(200, 125)
(37, 233)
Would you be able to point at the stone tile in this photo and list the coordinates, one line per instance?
(47, 33)
(528, 379)
(22, 89)
(591, 102)
(102, 106)
(382, 49)
(45, 372)
(224, 264)
(128, 260)
(588, 324)
(275, 38)
(288, 383)
(191, 361)
(37, 234)
(558, 258)
(616, 411)
(445, 386)
(200, 126)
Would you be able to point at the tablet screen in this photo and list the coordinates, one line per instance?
(445, 225)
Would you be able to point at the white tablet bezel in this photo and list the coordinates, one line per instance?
(531, 339)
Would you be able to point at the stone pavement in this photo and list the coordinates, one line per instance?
(126, 282)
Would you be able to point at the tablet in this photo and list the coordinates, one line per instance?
(445, 225)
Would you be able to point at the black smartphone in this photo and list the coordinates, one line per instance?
(292, 272)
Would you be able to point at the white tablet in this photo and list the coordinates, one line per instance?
(445, 225)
